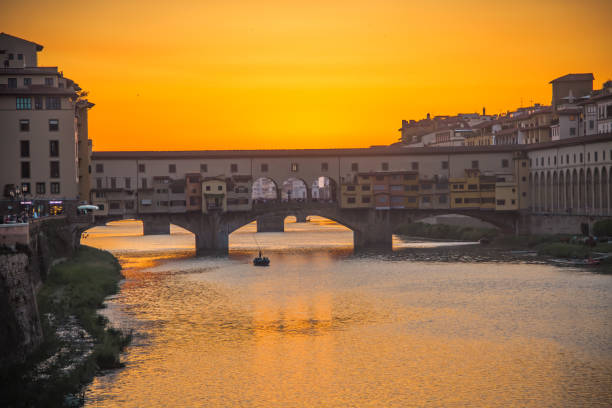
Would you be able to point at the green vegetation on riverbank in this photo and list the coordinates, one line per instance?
(558, 246)
(68, 357)
(444, 231)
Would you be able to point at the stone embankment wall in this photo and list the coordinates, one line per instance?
(21, 276)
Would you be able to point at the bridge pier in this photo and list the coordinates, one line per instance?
(211, 235)
(300, 217)
(378, 232)
(155, 225)
(271, 223)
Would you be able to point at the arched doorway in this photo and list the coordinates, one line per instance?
(589, 192)
(605, 191)
(568, 191)
(294, 190)
(561, 184)
(264, 190)
(596, 192)
(323, 189)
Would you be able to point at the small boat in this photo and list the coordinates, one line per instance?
(261, 260)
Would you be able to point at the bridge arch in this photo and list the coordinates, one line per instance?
(295, 189)
(324, 189)
(264, 190)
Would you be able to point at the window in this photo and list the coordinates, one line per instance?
(129, 204)
(581, 158)
(504, 163)
(415, 165)
(54, 103)
(410, 176)
(591, 124)
(25, 187)
(354, 166)
(442, 199)
(24, 103)
(11, 57)
(203, 168)
(234, 168)
(524, 163)
(294, 167)
(128, 182)
(98, 183)
(385, 166)
(48, 81)
(25, 169)
(350, 188)
(445, 165)
(55, 169)
(365, 199)
(99, 168)
(20, 56)
(27, 81)
(24, 125)
(207, 188)
(264, 167)
(324, 167)
(350, 200)
(38, 102)
(365, 187)
(12, 82)
(141, 168)
(474, 164)
(55, 188)
(113, 181)
(555, 160)
(572, 131)
(54, 148)
(220, 188)
(472, 186)
(426, 200)
(40, 188)
(426, 186)
(114, 205)
(24, 148)
(524, 178)
(458, 201)
(172, 168)
(53, 125)
(501, 202)
(143, 182)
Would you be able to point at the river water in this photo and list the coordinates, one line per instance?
(425, 325)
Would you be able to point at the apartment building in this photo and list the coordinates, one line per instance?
(44, 149)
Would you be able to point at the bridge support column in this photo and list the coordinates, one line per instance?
(271, 223)
(211, 235)
(378, 232)
(155, 225)
(300, 218)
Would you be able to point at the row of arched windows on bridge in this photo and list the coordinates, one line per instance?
(322, 189)
(571, 191)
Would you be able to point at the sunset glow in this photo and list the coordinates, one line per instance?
(285, 74)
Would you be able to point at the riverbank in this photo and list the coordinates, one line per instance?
(557, 246)
(77, 341)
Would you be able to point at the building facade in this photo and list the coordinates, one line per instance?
(44, 148)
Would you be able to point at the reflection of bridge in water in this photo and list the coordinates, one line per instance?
(371, 228)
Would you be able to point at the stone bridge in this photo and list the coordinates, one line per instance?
(371, 228)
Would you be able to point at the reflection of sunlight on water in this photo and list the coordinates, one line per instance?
(324, 327)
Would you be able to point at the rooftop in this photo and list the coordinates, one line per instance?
(574, 77)
(12, 37)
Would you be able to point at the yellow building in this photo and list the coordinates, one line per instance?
(506, 196)
(214, 195)
(465, 191)
(357, 193)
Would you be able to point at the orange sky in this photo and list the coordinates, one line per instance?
(228, 74)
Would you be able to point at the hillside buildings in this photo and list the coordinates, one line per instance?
(44, 149)
(576, 110)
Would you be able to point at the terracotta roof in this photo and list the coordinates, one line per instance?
(574, 77)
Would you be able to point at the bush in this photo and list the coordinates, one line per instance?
(603, 228)
(444, 231)
(562, 250)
